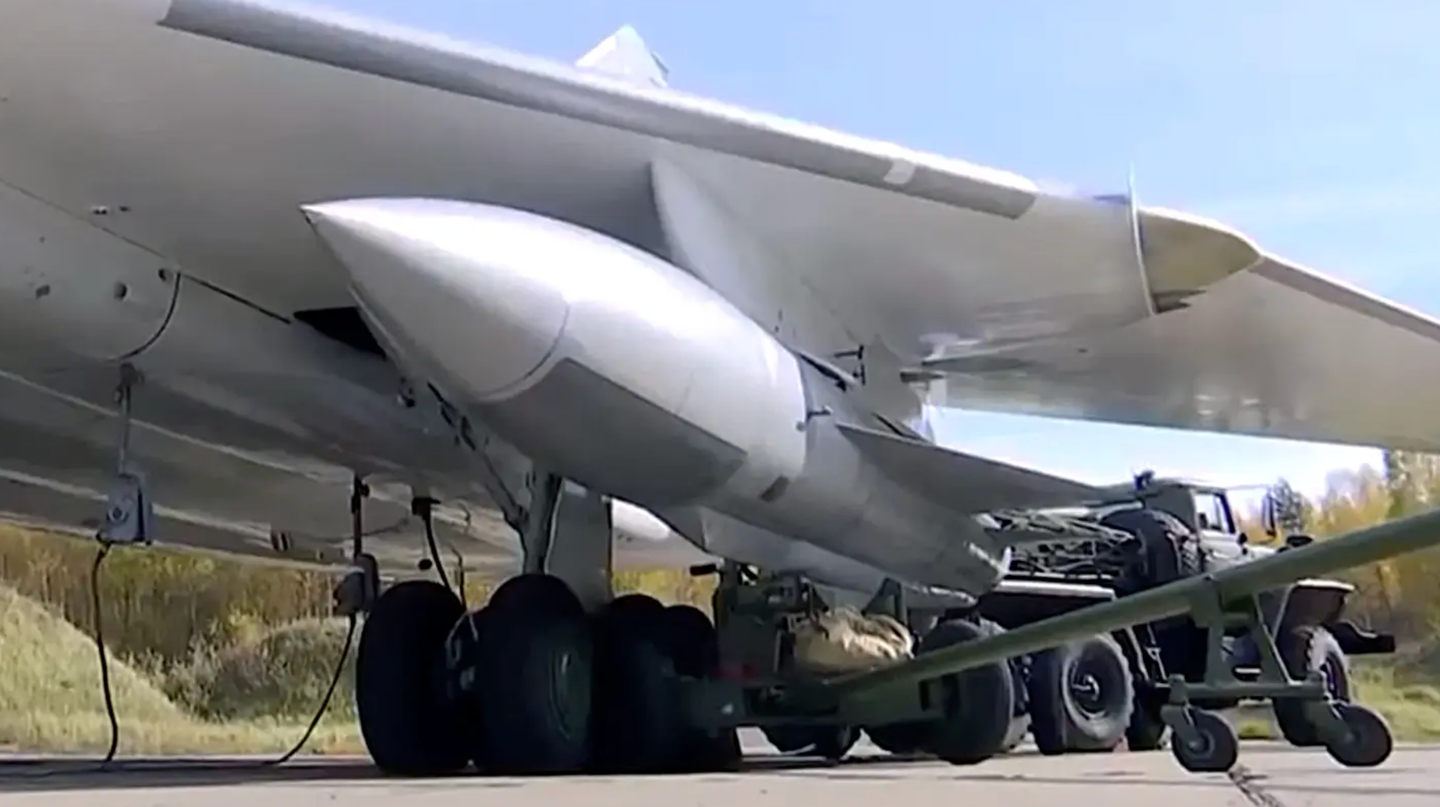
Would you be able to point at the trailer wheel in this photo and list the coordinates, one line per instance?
(1305, 649)
(1212, 746)
(1367, 740)
(1082, 696)
(900, 739)
(978, 703)
(828, 742)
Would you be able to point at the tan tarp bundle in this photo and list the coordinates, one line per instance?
(844, 640)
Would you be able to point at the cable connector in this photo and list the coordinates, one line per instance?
(422, 506)
(358, 589)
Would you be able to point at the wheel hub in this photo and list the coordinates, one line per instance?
(1087, 691)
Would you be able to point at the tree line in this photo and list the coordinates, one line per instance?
(161, 604)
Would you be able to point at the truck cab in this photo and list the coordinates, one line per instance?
(1206, 510)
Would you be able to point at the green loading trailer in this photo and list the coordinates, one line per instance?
(957, 698)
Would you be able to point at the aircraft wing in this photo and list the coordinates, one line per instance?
(1081, 306)
(875, 243)
(1277, 350)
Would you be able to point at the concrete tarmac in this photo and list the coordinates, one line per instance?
(1269, 775)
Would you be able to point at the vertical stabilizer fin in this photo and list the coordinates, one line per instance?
(626, 55)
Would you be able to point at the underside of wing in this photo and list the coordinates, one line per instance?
(1275, 351)
(905, 249)
(965, 482)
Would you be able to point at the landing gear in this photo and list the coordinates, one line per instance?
(408, 727)
(553, 675)
(638, 717)
(537, 655)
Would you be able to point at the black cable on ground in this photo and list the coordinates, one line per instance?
(108, 693)
(325, 701)
(105, 688)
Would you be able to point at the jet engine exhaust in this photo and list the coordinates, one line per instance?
(614, 368)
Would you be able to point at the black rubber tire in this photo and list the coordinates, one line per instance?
(978, 703)
(694, 649)
(828, 742)
(1368, 740)
(400, 699)
(1305, 648)
(1019, 727)
(1217, 749)
(900, 739)
(634, 608)
(691, 640)
(638, 719)
(1147, 731)
(539, 596)
(1171, 550)
(464, 673)
(1061, 719)
(538, 654)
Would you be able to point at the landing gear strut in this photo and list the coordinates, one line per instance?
(553, 675)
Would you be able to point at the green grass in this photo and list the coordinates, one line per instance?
(50, 697)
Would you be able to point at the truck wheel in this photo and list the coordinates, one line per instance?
(1081, 696)
(1305, 649)
(1171, 550)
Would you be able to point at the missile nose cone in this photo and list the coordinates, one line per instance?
(447, 287)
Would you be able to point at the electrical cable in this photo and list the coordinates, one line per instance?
(325, 701)
(435, 554)
(108, 694)
(106, 690)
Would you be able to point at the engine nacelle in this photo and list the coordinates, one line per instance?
(602, 362)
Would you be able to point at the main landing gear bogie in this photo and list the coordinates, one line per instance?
(532, 684)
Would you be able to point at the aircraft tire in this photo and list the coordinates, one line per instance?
(1305, 649)
(694, 648)
(637, 719)
(537, 651)
(408, 728)
(1082, 696)
(536, 597)
(979, 703)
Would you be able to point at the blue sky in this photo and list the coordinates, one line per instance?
(1295, 121)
